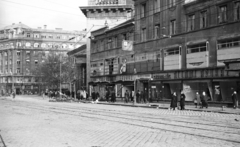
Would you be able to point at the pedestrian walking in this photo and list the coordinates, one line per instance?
(204, 99)
(93, 96)
(113, 96)
(13, 94)
(107, 95)
(173, 104)
(138, 96)
(182, 100)
(127, 95)
(195, 102)
(235, 99)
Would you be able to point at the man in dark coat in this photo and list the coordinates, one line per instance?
(127, 95)
(113, 96)
(173, 104)
(138, 96)
(93, 96)
(182, 100)
(107, 95)
(234, 99)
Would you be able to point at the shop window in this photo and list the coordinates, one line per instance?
(222, 14)
(197, 48)
(237, 11)
(203, 19)
(172, 51)
(191, 21)
(230, 43)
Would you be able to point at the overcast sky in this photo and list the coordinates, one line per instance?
(36, 13)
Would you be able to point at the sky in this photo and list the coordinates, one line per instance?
(63, 14)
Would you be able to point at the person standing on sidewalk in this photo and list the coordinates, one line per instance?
(13, 94)
(138, 96)
(113, 96)
(173, 104)
(235, 99)
(126, 96)
(182, 100)
(204, 99)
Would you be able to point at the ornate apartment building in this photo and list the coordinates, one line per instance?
(22, 48)
(191, 45)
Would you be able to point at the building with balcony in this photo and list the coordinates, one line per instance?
(21, 50)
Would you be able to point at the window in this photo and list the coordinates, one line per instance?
(50, 45)
(109, 43)
(172, 51)
(18, 70)
(58, 37)
(28, 35)
(43, 36)
(19, 44)
(28, 54)
(36, 62)
(28, 44)
(5, 54)
(36, 44)
(18, 53)
(222, 14)
(157, 31)
(203, 19)
(143, 34)
(237, 11)
(157, 6)
(191, 20)
(143, 10)
(43, 45)
(172, 27)
(10, 61)
(230, 43)
(18, 62)
(36, 35)
(197, 48)
(50, 36)
(172, 3)
(28, 62)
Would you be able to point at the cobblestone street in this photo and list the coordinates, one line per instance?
(35, 122)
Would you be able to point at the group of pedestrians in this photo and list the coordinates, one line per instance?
(200, 100)
(110, 96)
(141, 97)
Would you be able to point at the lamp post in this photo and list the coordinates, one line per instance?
(60, 79)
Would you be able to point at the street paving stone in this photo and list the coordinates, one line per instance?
(35, 122)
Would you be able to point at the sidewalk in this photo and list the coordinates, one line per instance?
(166, 106)
(159, 105)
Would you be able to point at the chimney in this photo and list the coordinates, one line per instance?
(45, 26)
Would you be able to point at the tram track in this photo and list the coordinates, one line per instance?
(153, 123)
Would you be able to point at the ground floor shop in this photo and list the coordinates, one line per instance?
(218, 85)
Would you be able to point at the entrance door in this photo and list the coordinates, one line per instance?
(146, 91)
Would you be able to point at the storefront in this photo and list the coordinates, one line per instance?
(218, 84)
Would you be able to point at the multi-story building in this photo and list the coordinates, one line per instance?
(22, 48)
(105, 12)
(193, 39)
(190, 45)
(108, 59)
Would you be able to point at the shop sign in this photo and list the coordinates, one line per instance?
(161, 76)
(145, 76)
(125, 78)
(234, 66)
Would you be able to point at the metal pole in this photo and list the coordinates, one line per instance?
(60, 79)
(135, 90)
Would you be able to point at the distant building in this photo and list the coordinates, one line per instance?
(21, 50)
(79, 58)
